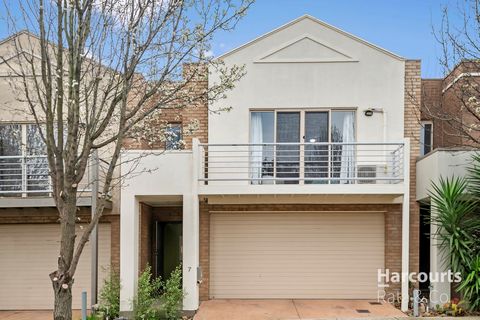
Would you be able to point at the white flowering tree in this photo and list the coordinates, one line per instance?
(457, 115)
(96, 70)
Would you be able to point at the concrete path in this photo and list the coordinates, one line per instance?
(34, 315)
(294, 310)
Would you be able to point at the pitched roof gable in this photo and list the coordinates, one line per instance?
(324, 24)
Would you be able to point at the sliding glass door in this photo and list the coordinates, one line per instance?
(316, 155)
(288, 151)
(303, 149)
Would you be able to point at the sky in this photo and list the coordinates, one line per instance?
(404, 27)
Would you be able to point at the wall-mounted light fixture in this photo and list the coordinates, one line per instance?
(369, 112)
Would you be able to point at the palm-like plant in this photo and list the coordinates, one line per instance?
(455, 220)
(470, 286)
(456, 202)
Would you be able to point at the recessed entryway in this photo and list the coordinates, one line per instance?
(293, 309)
(160, 239)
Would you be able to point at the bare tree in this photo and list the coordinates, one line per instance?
(455, 109)
(95, 71)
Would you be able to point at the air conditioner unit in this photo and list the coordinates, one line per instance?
(369, 172)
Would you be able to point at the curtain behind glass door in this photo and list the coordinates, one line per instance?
(262, 126)
(343, 155)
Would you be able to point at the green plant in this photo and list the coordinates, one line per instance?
(470, 286)
(457, 205)
(148, 293)
(173, 294)
(456, 220)
(109, 302)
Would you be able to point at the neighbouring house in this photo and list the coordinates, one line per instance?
(446, 150)
(29, 229)
(303, 190)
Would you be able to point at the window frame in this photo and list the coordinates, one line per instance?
(422, 137)
(24, 161)
(170, 125)
(302, 112)
(302, 141)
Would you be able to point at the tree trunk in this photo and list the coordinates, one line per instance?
(62, 278)
(63, 301)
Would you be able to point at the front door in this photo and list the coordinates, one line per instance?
(168, 248)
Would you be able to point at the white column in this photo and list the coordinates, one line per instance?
(190, 252)
(129, 232)
(439, 290)
(406, 224)
(191, 236)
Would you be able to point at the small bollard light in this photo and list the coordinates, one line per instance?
(84, 305)
(416, 302)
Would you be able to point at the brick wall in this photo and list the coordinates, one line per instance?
(449, 105)
(393, 230)
(115, 242)
(431, 106)
(50, 215)
(145, 234)
(412, 131)
(167, 214)
(204, 251)
(197, 110)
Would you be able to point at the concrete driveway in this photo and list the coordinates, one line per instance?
(294, 310)
(34, 315)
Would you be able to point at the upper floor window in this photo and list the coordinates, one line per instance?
(10, 139)
(23, 162)
(301, 148)
(426, 137)
(173, 136)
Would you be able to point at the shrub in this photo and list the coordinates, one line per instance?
(147, 294)
(457, 203)
(109, 302)
(173, 294)
(470, 285)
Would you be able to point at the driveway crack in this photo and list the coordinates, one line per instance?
(296, 310)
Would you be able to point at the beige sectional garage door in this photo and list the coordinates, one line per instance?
(296, 255)
(28, 254)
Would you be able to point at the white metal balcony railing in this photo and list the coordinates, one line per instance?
(302, 163)
(22, 176)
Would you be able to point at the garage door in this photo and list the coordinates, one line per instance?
(296, 255)
(28, 255)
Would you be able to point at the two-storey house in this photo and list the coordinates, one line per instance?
(305, 189)
(446, 149)
(29, 228)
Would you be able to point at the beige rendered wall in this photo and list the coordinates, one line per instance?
(290, 78)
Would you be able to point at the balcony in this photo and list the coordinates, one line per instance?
(21, 176)
(302, 167)
(25, 182)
